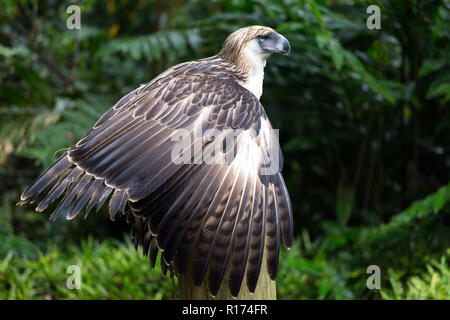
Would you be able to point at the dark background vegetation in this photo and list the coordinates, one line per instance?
(364, 123)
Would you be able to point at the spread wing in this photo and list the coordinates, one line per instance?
(192, 159)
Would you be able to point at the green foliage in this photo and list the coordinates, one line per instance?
(433, 284)
(172, 43)
(66, 124)
(109, 270)
(334, 265)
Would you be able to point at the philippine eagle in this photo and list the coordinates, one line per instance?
(214, 214)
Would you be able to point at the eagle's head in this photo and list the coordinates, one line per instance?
(253, 45)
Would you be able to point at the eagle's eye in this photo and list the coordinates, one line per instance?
(261, 38)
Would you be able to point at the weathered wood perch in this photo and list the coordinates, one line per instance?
(265, 289)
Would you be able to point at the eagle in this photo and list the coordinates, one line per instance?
(193, 163)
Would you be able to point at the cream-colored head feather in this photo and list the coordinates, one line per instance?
(248, 48)
(239, 47)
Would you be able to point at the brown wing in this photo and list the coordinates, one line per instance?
(221, 212)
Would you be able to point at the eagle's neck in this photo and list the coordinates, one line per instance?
(249, 65)
(255, 64)
(254, 81)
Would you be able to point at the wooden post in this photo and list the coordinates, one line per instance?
(265, 289)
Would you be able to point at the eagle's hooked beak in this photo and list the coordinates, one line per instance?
(276, 43)
(283, 45)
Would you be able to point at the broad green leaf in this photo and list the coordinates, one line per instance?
(440, 199)
(438, 90)
(344, 205)
(431, 65)
(337, 53)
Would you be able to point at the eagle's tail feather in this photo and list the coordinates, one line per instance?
(77, 188)
(173, 232)
(226, 233)
(194, 226)
(117, 203)
(45, 180)
(257, 241)
(82, 197)
(55, 192)
(96, 188)
(153, 254)
(285, 210)
(272, 233)
(60, 186)
(242, 242)
(206, 232)
(65, 205)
